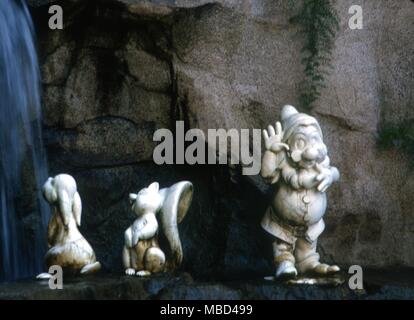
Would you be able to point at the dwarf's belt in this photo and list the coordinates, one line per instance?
(292, 227)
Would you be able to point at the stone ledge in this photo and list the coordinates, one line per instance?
(377, 285)
(145, 3)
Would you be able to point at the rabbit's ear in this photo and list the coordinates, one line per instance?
(77, 208)
(154, 187)
(65, 206)
(132, 197)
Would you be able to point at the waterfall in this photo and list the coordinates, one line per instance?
(22, 234)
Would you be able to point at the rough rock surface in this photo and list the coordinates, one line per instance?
(377, 285)
(121, 69)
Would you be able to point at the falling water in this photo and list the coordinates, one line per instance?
(21, 251)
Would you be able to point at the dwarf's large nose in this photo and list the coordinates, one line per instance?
(310, 154)
(316, 152)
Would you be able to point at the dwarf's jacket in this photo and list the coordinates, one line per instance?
(277, 227)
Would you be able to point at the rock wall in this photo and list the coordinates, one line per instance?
(121, 69)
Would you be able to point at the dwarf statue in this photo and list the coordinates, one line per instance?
(142, 253)
(67, 247)
(296, 158)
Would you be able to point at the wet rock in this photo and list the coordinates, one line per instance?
(151, 73)
(121, 69)
(106, 141)
(93, 287)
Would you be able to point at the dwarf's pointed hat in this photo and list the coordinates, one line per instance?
(292, 119)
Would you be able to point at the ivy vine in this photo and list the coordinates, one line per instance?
(318, 22)
(399, 136)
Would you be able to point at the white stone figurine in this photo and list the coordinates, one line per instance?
(67, 247)
(142, 254)
(296, 158)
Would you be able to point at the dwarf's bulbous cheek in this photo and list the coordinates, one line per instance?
(296, 155)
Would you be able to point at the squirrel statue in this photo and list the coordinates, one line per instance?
(142, 254)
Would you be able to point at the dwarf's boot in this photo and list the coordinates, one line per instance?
(307, 259)
(284, 259)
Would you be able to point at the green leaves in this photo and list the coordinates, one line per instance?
(319, 22)
(400, 136)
